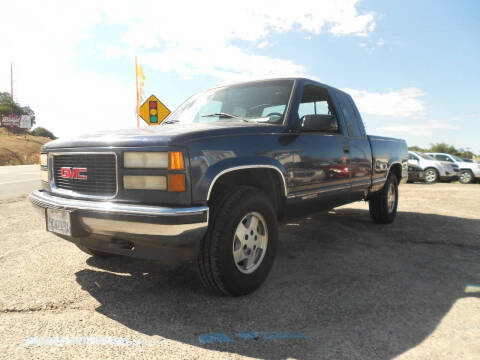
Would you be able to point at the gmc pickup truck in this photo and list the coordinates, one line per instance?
(213, 181)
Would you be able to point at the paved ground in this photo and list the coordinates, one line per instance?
(342, 287)
(18, 180)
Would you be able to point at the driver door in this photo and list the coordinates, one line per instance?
(321, 170)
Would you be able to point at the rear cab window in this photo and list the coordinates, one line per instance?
(351, 116)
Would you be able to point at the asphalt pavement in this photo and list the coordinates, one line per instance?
(18, 180)
(341, 287)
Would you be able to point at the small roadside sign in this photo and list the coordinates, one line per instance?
(11, 121)
(153, 111)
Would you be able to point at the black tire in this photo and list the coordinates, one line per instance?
(95, 252)
(216, 265)
(380, 210)
(431, 175)
(465, 177)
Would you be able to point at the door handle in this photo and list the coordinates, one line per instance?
(346, 149)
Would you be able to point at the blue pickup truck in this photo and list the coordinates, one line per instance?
(214, 180)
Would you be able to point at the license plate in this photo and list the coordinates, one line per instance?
(58, 221)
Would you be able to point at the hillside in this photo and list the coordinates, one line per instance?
(18, 149)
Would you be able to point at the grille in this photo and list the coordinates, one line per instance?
(101, 174)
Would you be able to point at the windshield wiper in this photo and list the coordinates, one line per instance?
(225, 115)
(173, 121)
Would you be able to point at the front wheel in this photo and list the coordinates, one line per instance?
(465, 177)
(431, 176)
(383, 205)
(238, 250)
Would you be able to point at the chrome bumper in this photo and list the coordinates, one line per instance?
(151, 230)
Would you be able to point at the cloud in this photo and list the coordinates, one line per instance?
(201, 40)
(423, 128)
(262, 45)
(228, 64)
(394, 103)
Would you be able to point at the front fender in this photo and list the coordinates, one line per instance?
(202, 188)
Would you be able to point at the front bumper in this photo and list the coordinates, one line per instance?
(150, 232)
(416, 175)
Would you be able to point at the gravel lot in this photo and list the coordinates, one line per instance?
(341, 287)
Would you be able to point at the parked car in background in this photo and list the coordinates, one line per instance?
(450, 168)
(415, 173)
(469, 172)
(434, 170)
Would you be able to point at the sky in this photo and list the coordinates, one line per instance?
(412, 67)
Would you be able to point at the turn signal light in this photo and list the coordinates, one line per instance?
(176, 182)
(175, 160)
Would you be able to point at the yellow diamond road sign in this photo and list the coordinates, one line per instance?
(153, 111)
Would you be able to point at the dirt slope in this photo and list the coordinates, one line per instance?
(18, 149)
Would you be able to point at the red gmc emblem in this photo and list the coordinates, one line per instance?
(73, 173)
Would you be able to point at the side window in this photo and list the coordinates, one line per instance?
(443, 158)
(314, 101)
(349, 115)
(412, 157)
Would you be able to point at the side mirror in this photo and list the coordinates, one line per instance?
(317, 122)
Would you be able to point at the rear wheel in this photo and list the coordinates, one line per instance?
(431, 176)
(465, 177)
(238, 250)
(383, 205)
(95, 252)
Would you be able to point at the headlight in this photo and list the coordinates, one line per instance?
(44, 175)
(145, 182)
(145, 160)
(43, 159)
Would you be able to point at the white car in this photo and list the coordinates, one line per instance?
(433, 170)
(469, 172)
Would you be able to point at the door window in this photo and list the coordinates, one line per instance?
(443, 158)
(314, 101)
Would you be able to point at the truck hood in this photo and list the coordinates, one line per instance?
(162, 135)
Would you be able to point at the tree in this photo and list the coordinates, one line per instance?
(40, 131)
(416, 148)
(445, 148)
(8, 107)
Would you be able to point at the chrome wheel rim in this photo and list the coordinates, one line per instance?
(465, 177)
(250, 242)
(430, 175)
(391, 197)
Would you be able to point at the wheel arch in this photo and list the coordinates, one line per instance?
(268, 178)
(396, 169)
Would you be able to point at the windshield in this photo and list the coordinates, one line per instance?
(457, 158)
(264, 101)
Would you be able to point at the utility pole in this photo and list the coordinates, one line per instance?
(11, 84)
